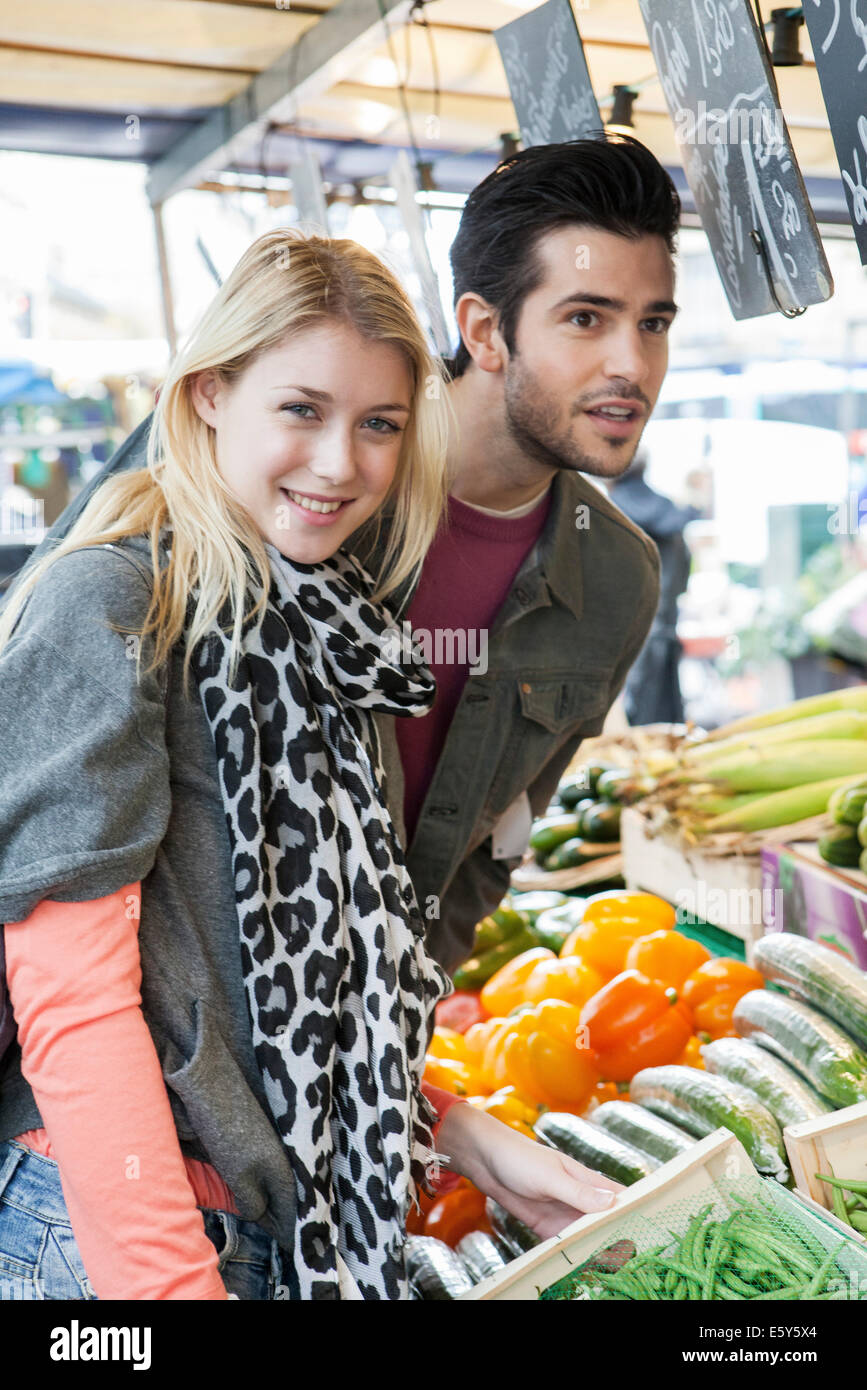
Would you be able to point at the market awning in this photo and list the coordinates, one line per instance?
(131, 79)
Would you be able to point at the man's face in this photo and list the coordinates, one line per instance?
(594, 333)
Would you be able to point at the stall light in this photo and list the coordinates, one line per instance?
(372, 117)
(380, 72)
(786, 45)
(621, 122)
(508, 146)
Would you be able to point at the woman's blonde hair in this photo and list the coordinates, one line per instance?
(284, 283)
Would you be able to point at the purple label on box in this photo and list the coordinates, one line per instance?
(811, 900)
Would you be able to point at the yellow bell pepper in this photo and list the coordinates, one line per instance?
(504, 991)
(571, 979)
(550, 1071)
(513, 1109)
(451, 1075)
(447, 1043)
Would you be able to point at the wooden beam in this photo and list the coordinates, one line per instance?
(322, 56)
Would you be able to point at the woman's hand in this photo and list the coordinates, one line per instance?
(547, 1190)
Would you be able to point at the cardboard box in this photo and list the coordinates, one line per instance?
(804, 895)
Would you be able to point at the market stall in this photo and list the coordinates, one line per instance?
(705, 1048)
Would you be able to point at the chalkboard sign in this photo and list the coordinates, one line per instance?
(737, 154)
(839, 38)
(547, 75)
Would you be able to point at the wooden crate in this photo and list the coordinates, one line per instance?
(725, 891)
(835, 1144)
(693, 1179)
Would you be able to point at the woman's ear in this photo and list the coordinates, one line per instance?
(205, 389)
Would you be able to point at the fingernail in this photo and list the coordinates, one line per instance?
(602, 1197)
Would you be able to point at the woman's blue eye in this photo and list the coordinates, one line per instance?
(390, 427)
(299, 405)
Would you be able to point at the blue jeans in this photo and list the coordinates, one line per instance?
(39, 1258)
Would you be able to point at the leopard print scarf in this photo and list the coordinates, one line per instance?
(338, 980)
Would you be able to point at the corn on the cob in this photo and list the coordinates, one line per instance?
(783, 765)
(853, 698)
(778, 808)
(837, 724)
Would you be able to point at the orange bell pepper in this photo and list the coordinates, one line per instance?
(602, 1092)
(504, 991)
(451, 1075)
(666, 956)
(656, 913)
(691, 1055)
(570, 978)
(712, 991)
(447, 1043)
(634, 1022)
(418, 1214)
(455, 1214)
(602, 943)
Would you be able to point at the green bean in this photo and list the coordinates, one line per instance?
(821, 1275)
(859, 1221)
(851, 1185)
(712, 1261)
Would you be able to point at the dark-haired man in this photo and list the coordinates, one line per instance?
(564, 292)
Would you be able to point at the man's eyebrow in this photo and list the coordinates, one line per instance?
(327, 397)
(602, 301)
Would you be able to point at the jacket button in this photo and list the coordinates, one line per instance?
(522, 596)
(527, 689)
(443, 810)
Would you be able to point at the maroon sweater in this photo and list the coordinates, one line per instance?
(464, 583)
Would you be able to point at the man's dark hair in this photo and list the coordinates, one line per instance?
(610, 182)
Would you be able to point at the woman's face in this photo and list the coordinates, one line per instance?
(308, 437)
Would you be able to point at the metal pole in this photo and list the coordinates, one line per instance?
(165, 279)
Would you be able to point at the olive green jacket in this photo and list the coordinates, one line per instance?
(558, 653)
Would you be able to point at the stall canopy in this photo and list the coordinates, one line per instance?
(196, 88)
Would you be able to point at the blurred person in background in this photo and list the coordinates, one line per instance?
(652, 694)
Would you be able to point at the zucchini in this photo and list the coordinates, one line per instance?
(822, 1053)
(861, 832)
(532, 905)
(509, 1230)
(601, 821)
(840, 846)
(435, 1271)
(817, 975)
(572, 791)
(481, 1256)
(550, 832)
(572, 853)
(651, 1136)
(789, 1099)
(611, 783)
(700, 1102)
(594, 1147)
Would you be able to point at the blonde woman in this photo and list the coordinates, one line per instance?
(213, 950)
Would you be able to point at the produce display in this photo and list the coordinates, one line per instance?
(597, 1026)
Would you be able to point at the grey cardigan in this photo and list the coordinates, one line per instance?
(104, 782)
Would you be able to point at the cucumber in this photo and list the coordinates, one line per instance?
(548, 834)
(840, 847)
(481, 1256)
(435, 1271)
(810, 1043)
(594, 1147)
(509, 1230)
(848, 805)
(651, 1136)
(601, 821)
(534, 904)
(819, 976)
(701, 1103)
(789, 1099)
